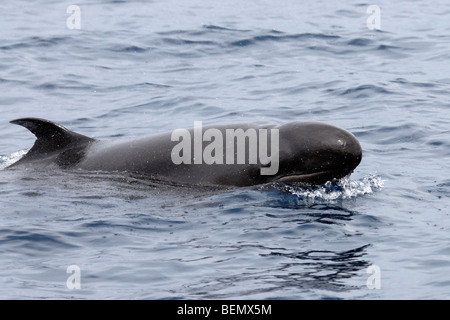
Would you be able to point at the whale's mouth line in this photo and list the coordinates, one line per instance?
(317, 178)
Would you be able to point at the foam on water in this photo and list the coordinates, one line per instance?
(345, 188)
(6, 161)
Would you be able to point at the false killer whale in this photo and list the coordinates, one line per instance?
(310, 153)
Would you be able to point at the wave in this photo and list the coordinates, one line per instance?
(282, 37)
(36, 42)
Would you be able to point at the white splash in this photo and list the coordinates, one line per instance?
(6, 161)
(343, 189)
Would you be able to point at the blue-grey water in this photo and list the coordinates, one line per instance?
(135, 68)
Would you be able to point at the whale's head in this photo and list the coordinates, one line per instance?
(314, 153)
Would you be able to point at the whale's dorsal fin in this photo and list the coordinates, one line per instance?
(51, 137)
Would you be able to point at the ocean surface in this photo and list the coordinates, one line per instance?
(125, 69)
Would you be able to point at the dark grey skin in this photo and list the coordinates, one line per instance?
(310, 153)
